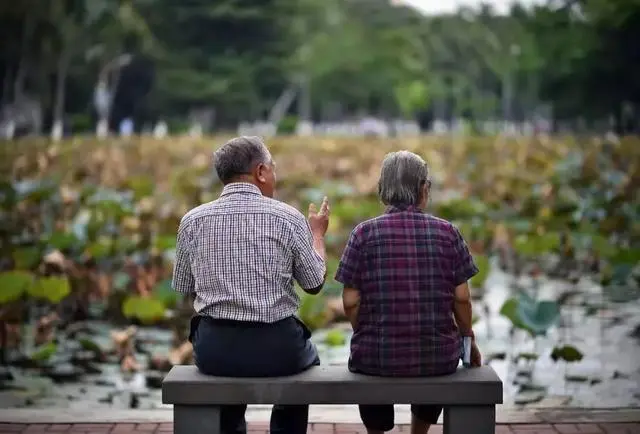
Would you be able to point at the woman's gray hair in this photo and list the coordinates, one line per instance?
(402, 178)
(239, 156)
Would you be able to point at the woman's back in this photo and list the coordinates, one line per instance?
(406, 265)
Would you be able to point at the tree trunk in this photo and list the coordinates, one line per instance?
(58, 109)
(3, 343)
(21, 72)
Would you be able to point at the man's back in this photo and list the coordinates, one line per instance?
(407, 267)
(244, 254)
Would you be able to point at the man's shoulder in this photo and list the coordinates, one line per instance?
(199, 211)
(283, 210)
(263, 205)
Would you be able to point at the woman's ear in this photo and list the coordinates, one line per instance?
(425, 195)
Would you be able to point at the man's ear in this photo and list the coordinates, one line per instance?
(260, 173)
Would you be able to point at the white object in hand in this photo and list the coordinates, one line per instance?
(466, 355)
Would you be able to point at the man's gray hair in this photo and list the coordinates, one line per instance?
(402, 178)
(238, 157)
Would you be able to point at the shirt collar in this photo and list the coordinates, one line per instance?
(240, 187)
(391, 209)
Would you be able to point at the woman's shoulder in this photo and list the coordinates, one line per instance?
(442, 226)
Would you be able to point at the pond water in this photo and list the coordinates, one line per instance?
(607, 376)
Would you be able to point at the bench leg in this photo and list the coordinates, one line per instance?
(196, 419)
(470, 419)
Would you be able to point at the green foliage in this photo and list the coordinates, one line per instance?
(568, 353)
(288, 125)
(44, 352)
(166, 295)
(165, 242)
(412, 97)
(89, 345)
(312, 310)
(534, 316)
(146, 309)
(62, 241)
(484, 267)
(335, 338)
(536, 245)
(354, 52)
(461, 209)
(53, 289)
(121, 281)
(14, 284)
(26, 258)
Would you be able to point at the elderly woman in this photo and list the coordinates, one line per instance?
(405, 292)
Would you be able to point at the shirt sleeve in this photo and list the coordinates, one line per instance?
(309, 268)
(350, 266)
(464, 268)
(183, 280)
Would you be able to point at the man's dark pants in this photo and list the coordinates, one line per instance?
(247, 349)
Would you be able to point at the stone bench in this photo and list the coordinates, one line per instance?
(469, 396)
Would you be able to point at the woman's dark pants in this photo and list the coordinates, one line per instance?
(228, 348)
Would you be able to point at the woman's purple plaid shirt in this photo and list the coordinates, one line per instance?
(406, 265)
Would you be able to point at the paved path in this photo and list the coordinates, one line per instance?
(316, 428)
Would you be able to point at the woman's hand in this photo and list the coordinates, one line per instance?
(476, 357)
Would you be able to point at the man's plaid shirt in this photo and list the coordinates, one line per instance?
(406, 265)
(241, 253)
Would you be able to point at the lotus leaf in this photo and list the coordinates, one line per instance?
(165, 293)
(334, 338)
(44, 352)
(510, 310)
(484, 266)
(8, 195)
(626, 256)
(36, 190)
(14, 284)
(466, 208)
(111, 202)
(312, 310)
(63, 241)
(165, 242)
(535, 245)
(568, 353)
(146, 309)
(121, 280)
(539, 316)
(27, 258)
(520, 226)
(53, 289)
(533, 316)
(622, 293)
(526, 356)
(100, 249)
(89, 345)
(141, 186)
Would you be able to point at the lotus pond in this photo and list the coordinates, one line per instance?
(87, 232)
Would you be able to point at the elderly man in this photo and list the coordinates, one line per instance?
(405, 290)
(240, 254)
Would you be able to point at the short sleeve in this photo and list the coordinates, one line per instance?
(309, 268)
(349, 271)
(464, 268)
(183, 280)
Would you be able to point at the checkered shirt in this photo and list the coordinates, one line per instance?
(241, 253)
(406, 265)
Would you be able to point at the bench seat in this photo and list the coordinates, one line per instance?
(469, 396)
